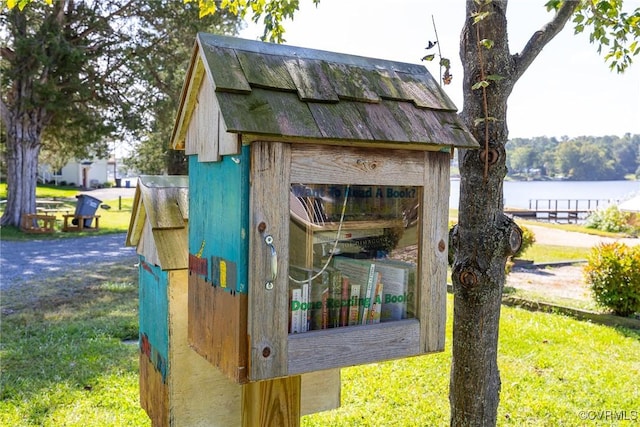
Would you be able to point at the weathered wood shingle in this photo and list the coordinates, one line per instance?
(159, 218)
(301, 95)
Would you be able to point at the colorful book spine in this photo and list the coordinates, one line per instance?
(354, 307)
(367, 300)
(335, 287)
(376, 302)
(344, 302)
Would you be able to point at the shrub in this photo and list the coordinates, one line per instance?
(528, 239)
(609, 219)
(613, 272)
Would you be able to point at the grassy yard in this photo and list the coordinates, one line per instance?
(65, 361)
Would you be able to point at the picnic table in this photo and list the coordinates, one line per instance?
(47, 206)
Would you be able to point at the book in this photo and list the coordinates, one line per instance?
(325, 308)
(357, 271)
(397, 292)
(368, 294)
(354, 304)
(376, 301)
(296, 301)
(335, 297)
(344, 302)
(305, 312)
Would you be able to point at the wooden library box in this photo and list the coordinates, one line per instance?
(318, 206)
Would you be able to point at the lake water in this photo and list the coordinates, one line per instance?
(518, 193)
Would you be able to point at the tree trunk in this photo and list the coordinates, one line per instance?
(23, 147)
(484, 236)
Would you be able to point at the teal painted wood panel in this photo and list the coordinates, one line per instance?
(219, 220)
(154, 315)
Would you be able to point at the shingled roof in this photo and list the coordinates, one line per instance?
(280, 92)
(159, 221)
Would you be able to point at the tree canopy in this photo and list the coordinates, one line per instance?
(586, 158)
(77, 75)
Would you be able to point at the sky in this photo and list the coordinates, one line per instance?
(567, 91)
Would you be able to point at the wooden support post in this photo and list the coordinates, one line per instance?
(272, 403)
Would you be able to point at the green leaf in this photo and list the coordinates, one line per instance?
(477, 17)
(480, 84)
(487, 43)
(553, 5)
(604, 6)
(429, 57)
(494, 77)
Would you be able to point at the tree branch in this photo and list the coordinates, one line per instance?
(540, 38)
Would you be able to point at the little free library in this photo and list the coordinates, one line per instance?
(318, 197)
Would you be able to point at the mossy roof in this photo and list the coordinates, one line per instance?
(298, 94)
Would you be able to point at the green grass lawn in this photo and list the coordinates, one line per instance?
(552, 253)
(64, 362)
(63, 357)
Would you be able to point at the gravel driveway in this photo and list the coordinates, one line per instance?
(27, 260)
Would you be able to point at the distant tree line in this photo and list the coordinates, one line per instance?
(585, 158)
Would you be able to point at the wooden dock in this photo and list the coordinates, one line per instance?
(559, 210)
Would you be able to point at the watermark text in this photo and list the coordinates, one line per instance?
(609, 415)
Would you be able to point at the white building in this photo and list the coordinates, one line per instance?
(82, 173)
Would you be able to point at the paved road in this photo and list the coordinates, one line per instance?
(111, 193)
(29, 260)
(26, 260)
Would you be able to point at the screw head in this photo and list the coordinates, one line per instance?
(268, 286)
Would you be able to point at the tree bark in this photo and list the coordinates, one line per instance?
(484, 237)
(23, 148)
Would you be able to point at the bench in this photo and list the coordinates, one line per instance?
(78, 222)
(37, 223)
